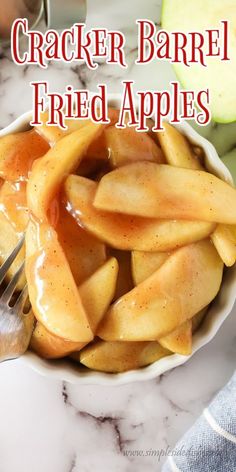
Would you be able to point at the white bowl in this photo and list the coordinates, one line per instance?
(217, 313)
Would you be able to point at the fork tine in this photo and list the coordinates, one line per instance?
(19, 305)
(5, 266)
(9, 290)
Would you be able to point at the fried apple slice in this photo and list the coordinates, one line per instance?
(126, 146)
(122, 146)
(83, 251)
(145, 263)
(176, 148)
(96, 294)
(120, 356)
(163, 191)
(187, 282)
(98, 291)
(13, 222)
(179, 340)
(178, 153)
(13, 204)
(127, 232)
(18, 152)
(52, 290)
(49, 346)
(8, 241)
(224, 239)
(52, 134)
(198, 318)
(50, 171)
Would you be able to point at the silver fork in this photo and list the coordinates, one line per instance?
(15, 326)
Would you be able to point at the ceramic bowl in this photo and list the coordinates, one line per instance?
(217, 313)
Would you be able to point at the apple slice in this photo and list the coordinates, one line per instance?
(14, 205)
(127, 232)
(218, 76)
(13, 221)
(187, 282)
(97, 150)
(52, 290)
(18, 152)
(126, 146)
(51, 170)
(120, 356)
(145, 263)
(98, 291)
(52, 134)
(163, 191)
(224, 236)
(49, 346)
(178, 153)
(96, 295)
(224, 239)
(122, 146)
(177, 149)
(83, 251)
(8, 241)
(180, 340)
(198, 318)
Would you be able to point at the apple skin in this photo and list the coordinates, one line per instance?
(218, 76)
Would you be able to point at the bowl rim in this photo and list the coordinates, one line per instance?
(219, 310)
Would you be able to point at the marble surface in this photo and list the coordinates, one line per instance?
(56, 427)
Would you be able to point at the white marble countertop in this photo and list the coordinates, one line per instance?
(51, 426)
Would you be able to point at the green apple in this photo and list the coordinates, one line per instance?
(223, 137)
(218, 76)
(229, 160)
